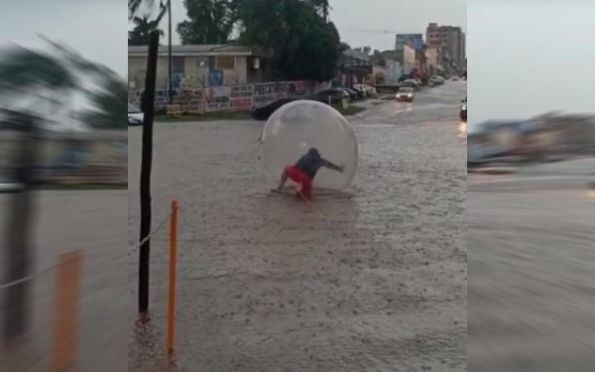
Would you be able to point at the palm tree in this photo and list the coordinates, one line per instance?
(144, 23)
(134, 6)
(144, 26)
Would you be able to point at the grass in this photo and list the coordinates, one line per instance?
(351, 110)
(79, 186)
(232, 115)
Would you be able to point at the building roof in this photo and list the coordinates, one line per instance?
(382, 57)
(356, 54)
(202, 50)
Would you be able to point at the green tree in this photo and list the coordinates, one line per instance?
(210, 21)
(302, 45)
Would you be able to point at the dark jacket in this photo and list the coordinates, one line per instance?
(312, 162)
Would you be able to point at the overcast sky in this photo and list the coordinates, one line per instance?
(528, 57)
(95, 28)
(404, 16)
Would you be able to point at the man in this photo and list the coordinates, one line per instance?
(304, 171)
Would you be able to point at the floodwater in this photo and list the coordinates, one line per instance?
(532, 269)
(370, 279)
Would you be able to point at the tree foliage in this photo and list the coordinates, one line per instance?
(302, 44)
(210, 21)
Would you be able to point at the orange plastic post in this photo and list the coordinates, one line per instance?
(66, 312)
(171, 305)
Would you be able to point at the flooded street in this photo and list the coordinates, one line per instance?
(371, 279)
(532, 269)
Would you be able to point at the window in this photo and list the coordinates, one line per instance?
(178, 65)
(226, 63)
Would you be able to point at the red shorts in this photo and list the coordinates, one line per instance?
(298, 176)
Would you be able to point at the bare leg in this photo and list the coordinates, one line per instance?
(283, 180)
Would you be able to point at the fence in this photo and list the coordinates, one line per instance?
(227, 98)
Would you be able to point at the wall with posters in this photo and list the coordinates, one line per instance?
(228, 98)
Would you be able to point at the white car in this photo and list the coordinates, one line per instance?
(405, 94)
(436, 80)
(367, 89)
(371, 91)
(135, 115)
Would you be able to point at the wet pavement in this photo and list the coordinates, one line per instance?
(532, 268)
(370, 279)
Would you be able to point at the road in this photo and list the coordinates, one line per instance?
(532, 269)
(371, 279)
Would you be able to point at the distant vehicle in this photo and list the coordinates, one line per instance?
(436, 80)
(361, 88)
(409, 83)
(463, 111)
(370, 89)
(8, 180)
(331, 96)
(360, 91)
(8, 187)
(263, 113)
(135, 116)
(353, 94)
(405, 94)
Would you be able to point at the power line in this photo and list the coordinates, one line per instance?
(391, 32)
(372, 31)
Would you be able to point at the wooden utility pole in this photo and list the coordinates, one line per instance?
(145, 174)
(169, 57)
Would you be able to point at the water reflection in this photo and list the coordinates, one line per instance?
(462, 130)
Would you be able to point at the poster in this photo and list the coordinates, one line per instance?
(217, 99)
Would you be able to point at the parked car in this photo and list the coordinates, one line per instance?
(405, 94)
(436, 80)
(331, 96)
(361, 94)
(463, 111)
(409, 83)
(360, 91)
(135, 115)
(353, 95)
(264, 112)
(370, 90)
(8, 181)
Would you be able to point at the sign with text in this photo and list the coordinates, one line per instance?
(217, 99)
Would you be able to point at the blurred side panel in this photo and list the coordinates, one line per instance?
(531, 186)
(63, 182)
